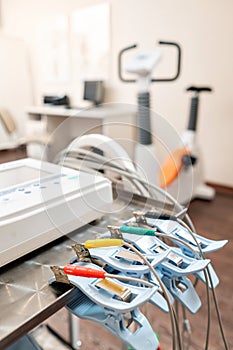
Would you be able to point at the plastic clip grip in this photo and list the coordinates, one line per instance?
(176, 263)
(182, 290)
(137, 230)
(128, 263)
(155, 214)
(85, 308)
(125, 261)
(175, 229)
(82, 271)
(104, 242)
(86, 276)
(90, 302)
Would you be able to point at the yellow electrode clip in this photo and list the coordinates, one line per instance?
(105, 242)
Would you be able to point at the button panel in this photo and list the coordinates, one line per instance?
(22, 198)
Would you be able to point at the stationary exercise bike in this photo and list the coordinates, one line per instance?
(142, 65)
(182, 173)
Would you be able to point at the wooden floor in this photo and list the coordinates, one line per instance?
(214, 220)
(9, 155)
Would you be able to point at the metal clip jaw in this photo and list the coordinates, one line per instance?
(82, 253)
(115, 231)
(140, 217)
(139, 220)
(59, 274)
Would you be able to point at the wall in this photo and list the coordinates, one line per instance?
(15, 82)
(203, 28)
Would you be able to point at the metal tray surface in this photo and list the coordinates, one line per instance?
(26, 299)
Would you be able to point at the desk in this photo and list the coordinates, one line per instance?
(65, 124)
(25, 296)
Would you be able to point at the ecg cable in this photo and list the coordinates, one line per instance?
(124, 172)
(134, 178)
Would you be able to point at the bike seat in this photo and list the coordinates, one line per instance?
(199, 88)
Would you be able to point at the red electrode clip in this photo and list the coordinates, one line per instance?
(83, 271)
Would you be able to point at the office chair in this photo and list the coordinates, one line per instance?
(15, 141)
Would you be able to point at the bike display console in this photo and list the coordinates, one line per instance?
(40, 202)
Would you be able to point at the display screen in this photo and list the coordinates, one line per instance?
(93, 91)
(18, 175)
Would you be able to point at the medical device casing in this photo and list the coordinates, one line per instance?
(40, 202)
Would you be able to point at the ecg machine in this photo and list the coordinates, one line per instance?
(40, 202)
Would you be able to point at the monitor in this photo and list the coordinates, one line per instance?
(94, 91)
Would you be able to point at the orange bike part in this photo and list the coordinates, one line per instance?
(172, 167)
